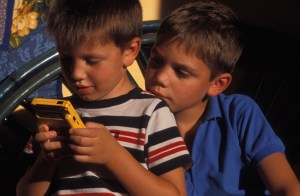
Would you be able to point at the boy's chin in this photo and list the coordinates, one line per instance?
(87, 98)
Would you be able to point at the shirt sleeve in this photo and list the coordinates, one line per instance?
(257, 138)
(165, 147)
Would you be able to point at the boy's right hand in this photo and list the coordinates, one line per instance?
(52, 145)
(94, 144)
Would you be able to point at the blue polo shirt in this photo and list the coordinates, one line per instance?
(233, 137)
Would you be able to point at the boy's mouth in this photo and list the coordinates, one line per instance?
(82, 90)
(158, 94)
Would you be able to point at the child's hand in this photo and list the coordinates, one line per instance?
(52, 145)
(93, 144)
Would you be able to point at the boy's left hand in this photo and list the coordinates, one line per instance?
(93, 144)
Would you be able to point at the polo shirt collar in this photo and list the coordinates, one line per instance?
(212, 110)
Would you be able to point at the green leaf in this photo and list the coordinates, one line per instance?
(15, 41)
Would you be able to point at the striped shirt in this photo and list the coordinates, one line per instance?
(141, 123)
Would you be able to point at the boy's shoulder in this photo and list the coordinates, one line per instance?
(140, 93)
(149, 98)
(236, 109)
(234, 104)
(236, 99)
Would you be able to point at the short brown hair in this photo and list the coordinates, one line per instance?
(72, 21)
(207, 29)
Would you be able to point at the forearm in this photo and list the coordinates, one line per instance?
(292, 189)
(139, 181)
(278, 176)
(37, 179)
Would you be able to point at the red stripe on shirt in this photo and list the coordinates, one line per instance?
(131, 140)
(166, 148)
(126, 136)
(127, 133)
(166, 154)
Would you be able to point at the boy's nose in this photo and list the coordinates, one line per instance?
(78, 71)
(162, 76)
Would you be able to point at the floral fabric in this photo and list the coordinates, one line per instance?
(28, 39)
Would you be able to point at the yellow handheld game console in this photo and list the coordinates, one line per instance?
(58, 114)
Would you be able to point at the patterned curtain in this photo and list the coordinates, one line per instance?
(23, 37)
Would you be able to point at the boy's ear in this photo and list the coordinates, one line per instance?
(219, 84)
(131, 51)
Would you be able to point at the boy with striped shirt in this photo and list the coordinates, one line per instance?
(131, 144)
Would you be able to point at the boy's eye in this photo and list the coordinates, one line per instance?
(181, 73)
(92, 61)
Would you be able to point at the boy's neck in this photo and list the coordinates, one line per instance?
(188, 122)
(123, 87)
(187, 119)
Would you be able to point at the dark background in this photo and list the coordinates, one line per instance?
(279, 15)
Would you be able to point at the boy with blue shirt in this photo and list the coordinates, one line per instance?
(234, 149)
